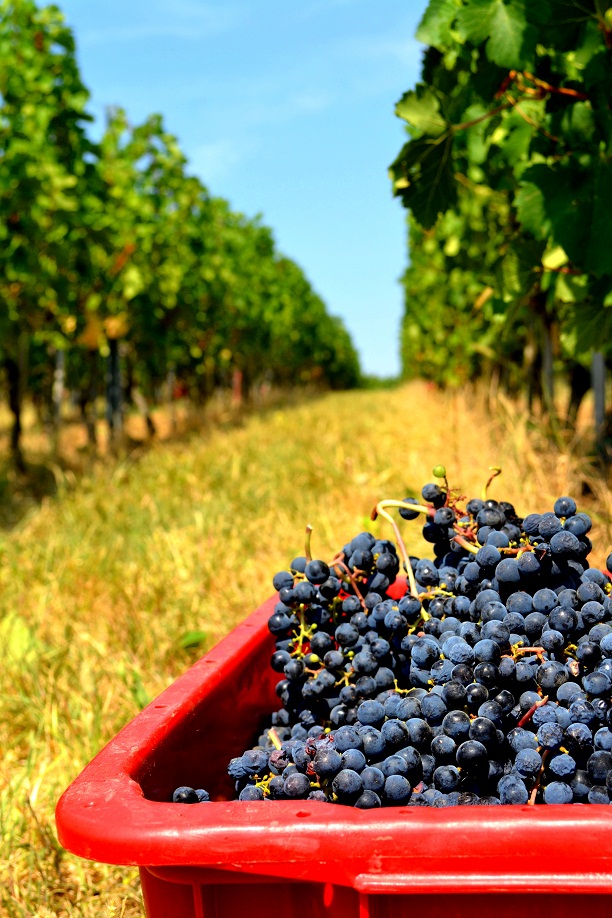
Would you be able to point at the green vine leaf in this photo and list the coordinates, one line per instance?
(423, 177)
(436, 23)
(510, 38)
(421, 109)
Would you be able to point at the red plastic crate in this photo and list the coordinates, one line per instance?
(310, 859)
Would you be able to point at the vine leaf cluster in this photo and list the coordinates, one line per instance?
(507, 174)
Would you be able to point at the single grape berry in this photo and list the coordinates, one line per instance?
(185, 795)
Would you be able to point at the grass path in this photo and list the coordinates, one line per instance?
(100, 587)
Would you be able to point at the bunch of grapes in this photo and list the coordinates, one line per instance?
(483, 676)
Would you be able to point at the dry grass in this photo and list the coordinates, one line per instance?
(98, 586)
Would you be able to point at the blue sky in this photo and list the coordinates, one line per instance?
(285, 109)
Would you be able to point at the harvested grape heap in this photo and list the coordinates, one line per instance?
(481, 677)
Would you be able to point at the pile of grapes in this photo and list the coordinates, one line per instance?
(481, 677)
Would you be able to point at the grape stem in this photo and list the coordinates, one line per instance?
(274, 738)
(527, 717)
(461, 540)
(418, 508)
(307, 551)
(379, 509)
(537, 650)
(337, 562)
(496, 471)
(536, 786)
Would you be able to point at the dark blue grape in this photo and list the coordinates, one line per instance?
(397, 790)
(472, 756)
(409, 514)
(317, 572)
(565, 545)
(498, 538)
(597, 684)
(577, 737)
(346, 635)
(512, 791)
(456, 724)
(507, 571)
(518, 738)
(321, 642)
(454, 694)
(352, 758)
(487, 674)
(598, 766)
(254, 762)
(528, 763)
(520, 602)
(549, 524)
(552, 641)
(562, 767)
(373, 743)
(185, 794)
(443, 749)
(394, 765)
(531, 524)
(347, 786)
(488, 556)
(550, 735)
(484, 731)
(446, 778)
(328, 762)
(528, 565)
(558, 792)
(347, 737)
(603, 739)
(582, 712)
(579, 524)
(372, 778)
(487, 651)
(368, 800)
(592, 613)
(364, 663)
(565, 506)
(433, 708)
(414, 760)
(252, 792)
(580, 785)
(442, 672)
(330, 588)
(598, 794)
(419, 732)
(551, 675)
(395, 732)
(371, 713)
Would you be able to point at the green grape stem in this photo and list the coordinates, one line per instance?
(307, 551)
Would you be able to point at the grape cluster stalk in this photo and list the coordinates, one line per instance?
(481, 677)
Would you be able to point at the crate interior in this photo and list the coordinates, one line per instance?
(224, 721)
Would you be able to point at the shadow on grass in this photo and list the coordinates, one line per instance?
(47, 472)
(22, 492)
